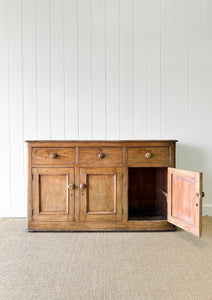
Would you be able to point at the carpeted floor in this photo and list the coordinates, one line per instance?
(158, 265)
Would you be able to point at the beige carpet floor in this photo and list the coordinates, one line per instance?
(134, 265)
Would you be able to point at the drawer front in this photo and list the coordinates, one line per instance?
(53, 156)
(101, 156)
(149, 156)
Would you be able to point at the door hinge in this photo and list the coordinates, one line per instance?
(32, 177)
(32, 212)
(122, 176)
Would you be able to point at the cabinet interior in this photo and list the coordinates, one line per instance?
(147, 188)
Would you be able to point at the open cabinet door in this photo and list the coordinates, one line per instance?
(185, 200)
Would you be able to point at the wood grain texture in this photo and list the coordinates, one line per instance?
(185, 199)
(102, 143)
(141, 188)
(46, 156)
(100, 193)
(101, 199)
(29, 183)
(145, 193)
(101, 226)
(52, 198)
(101, 196)
(110, 156)
(160, 156)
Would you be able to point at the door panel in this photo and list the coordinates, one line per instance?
(185, 200)
(101, 194)
(53, 198)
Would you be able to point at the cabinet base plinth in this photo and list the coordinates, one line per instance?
(101, 226)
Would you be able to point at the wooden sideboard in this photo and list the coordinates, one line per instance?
(110, 185)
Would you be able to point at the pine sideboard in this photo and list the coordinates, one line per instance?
(110, 186)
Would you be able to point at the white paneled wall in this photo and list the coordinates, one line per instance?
(104, 69)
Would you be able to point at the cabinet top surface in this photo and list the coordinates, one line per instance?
(100, 141)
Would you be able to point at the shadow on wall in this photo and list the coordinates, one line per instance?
(194, 158)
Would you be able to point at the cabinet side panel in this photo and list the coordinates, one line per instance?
(29, 184)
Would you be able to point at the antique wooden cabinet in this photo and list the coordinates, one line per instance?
(110, 185)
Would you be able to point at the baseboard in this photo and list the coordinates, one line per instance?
(207, 210)
(15, 212)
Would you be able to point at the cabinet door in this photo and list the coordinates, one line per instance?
(101, 194)
(185, 200)
(53, 194)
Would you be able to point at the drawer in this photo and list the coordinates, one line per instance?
(149, 156)
(101, 156)
(53, 156)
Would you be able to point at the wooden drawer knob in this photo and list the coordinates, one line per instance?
(71, 186)
(100, 155)
(53, 155)
(82, 186)
(148, 155)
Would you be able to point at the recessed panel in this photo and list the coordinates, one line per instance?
(53, 193)
(185, 199)
(101, 193)
(183, 188)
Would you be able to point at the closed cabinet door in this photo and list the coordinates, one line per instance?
(101, 194)
(53, 194)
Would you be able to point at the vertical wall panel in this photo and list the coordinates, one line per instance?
(181, 86)
(43, 69)
(104, 69)
(71, 68)
(98, 68)
(29, 69)
(140, 69)
(4, 111)
(126, 69)
(57, 69)
(167, 69)
(85, 69)
(112, 69)
(29, 77)
(195, 83)
(207, 103)
(16, 104)
(153, 110)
